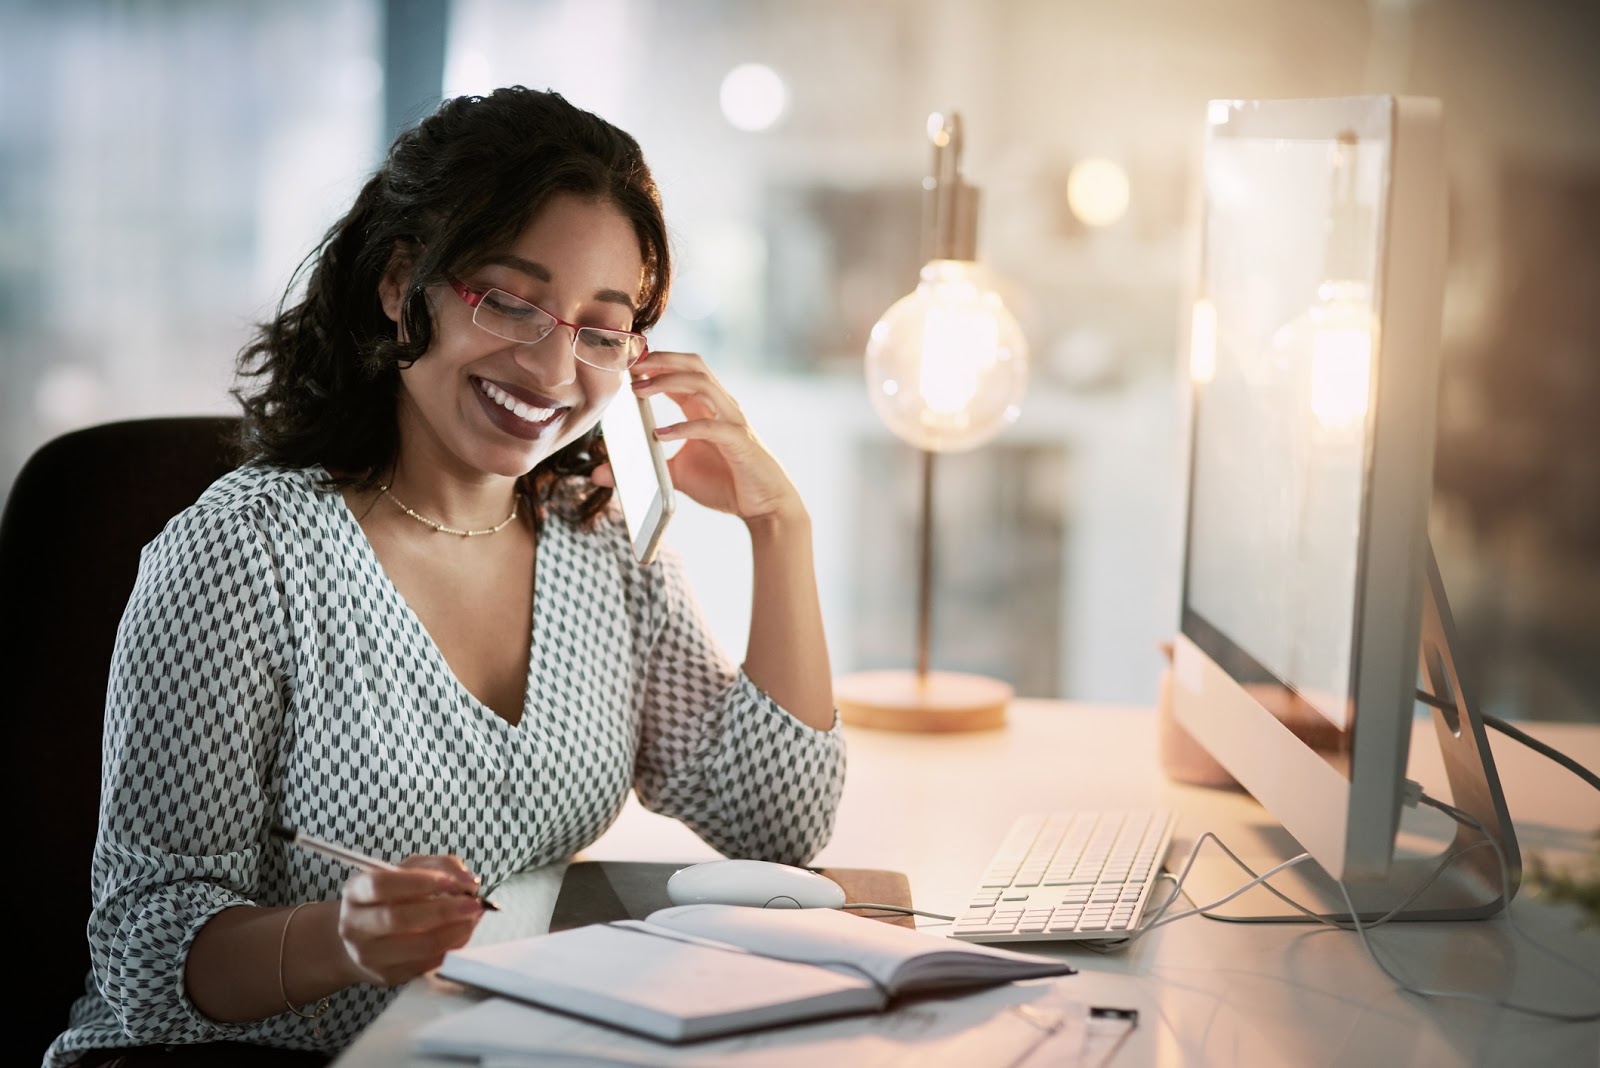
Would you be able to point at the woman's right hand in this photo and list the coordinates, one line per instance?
(397, 925)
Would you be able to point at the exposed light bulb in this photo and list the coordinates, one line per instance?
(947, 364)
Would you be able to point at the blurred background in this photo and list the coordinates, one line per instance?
(165, 164)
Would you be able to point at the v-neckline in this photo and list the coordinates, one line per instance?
(337, 500)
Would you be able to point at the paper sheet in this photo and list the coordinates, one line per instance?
(1031, 1023)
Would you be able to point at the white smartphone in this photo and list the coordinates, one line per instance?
(639, 468)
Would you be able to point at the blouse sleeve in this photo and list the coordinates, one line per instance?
(715, 751)
(194, 707)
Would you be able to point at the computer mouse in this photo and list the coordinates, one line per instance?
(758, 883)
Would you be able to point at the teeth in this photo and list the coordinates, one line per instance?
(518, 408)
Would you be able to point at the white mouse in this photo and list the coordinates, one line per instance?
(760, 883)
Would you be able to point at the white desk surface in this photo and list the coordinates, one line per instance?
(1209, 993)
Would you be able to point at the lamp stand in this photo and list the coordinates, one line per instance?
(922, 700)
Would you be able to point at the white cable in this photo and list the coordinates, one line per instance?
(1158, 919)
(1155, 918)
(1505, 896)
(1361, 929)
(1262, 878)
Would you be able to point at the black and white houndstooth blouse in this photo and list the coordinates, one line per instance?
(267, 671)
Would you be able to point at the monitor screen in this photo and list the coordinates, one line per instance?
(1280, 432)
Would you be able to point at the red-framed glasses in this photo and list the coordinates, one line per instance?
(514, 319)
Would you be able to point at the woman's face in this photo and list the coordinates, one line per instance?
(578, 259)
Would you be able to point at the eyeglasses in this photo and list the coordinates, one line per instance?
(514, 319)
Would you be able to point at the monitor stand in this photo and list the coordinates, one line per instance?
(1469, 887)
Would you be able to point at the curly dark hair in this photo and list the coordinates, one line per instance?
(453, 190)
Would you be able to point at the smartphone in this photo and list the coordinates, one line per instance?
(639, 468)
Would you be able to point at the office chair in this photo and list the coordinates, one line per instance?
(80, 511)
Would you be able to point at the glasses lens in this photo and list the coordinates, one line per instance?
(609, 350)
(512, 317)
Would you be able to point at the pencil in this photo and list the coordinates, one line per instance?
(346, 855)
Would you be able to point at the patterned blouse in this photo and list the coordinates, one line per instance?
(267, 671)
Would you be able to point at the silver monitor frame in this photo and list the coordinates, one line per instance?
(1402, 620)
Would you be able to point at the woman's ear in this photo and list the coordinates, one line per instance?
(395, 283)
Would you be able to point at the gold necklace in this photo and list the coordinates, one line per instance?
(441, 528)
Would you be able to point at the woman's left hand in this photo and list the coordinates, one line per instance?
(721, 464)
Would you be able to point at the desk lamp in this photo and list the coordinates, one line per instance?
(945, 367)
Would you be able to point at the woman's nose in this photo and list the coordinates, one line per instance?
(550, 360)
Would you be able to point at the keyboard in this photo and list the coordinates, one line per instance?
(1069, 875)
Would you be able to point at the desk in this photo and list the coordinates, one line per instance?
(1209, 993)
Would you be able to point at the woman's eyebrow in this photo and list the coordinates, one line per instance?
(534, 269)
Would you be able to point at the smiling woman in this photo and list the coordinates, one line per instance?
(585, 255)
(345, 635)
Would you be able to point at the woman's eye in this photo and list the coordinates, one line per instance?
(597, 339)
(507, 305)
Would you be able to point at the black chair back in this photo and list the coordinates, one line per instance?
(80, 511)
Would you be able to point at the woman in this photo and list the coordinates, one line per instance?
(413, 625)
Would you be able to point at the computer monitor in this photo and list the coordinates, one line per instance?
(1309, 593)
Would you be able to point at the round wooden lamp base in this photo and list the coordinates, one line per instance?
(936, 701)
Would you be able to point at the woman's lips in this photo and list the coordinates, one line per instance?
(514, 415)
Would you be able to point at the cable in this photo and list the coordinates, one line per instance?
(1535, 744)
(1526, 739)
(1158, 919)
(1505, 895)
(897, 908)
(1156, 915)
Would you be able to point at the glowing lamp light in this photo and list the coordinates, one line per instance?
(1337, 334)
(753, 96)
(1343, 332)
(1097, 191)
(1332, 343)
(947, 364)
(466, 72)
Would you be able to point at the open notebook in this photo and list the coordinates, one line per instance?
(694, 971)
